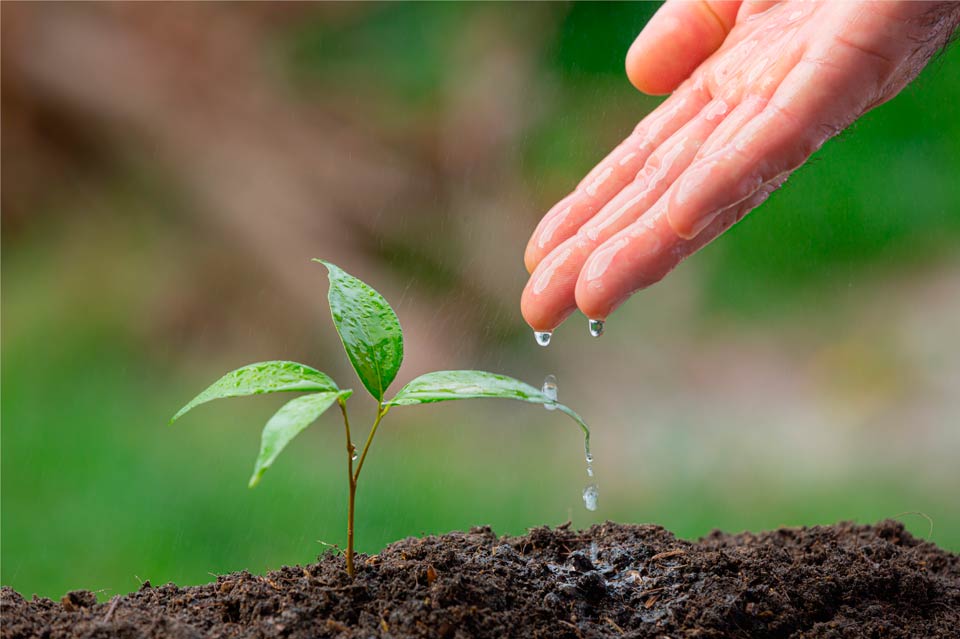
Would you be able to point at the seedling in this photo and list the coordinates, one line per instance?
(371, 335)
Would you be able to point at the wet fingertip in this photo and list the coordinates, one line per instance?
(689, 229)
(682, 228)
(544, 321)
(645, 79)
(683, 231)
(538, 317)
(547, 323)
(598, 301)
(592, 303)
(533, 255)
(632, 64)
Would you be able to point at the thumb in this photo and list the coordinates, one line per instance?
(680, 35)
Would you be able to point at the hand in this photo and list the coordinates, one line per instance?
(764, 85)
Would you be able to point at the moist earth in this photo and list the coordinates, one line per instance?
(612, 580)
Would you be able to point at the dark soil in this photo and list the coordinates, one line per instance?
(608, 581)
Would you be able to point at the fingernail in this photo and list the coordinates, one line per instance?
(699, 224)
(596, 327)
(688, 229)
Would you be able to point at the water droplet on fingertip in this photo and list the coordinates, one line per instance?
(542, 337)
(596, 327)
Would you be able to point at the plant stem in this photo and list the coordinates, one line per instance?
(353, 487)
(350, 510)
(353, 476)
(366, 447)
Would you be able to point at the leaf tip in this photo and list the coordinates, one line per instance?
(330, 265)
(180, 413)
(255, 479)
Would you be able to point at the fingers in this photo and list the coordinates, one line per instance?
(650, 248)
(549, 295)
(617, 170)
(751, 153)
(680, 36)
(643, 253)
(801, 88)
(815, 101)
(726, 130)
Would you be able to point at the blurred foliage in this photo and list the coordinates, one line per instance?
(103, 339)
(398, 49)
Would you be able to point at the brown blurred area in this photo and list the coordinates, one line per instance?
(271, 176)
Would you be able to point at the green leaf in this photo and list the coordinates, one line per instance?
(368, 328)
(443, 386)
(287, 423)
(263, 377)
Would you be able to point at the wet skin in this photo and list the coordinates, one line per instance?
(757, 87)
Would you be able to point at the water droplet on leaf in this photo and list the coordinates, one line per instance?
(542, 337)
(550, 390)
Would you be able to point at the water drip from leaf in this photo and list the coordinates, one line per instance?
(550, 390)
(543, 337)
(590, 496)
(592, 492)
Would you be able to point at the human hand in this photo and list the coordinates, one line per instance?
(762, 85)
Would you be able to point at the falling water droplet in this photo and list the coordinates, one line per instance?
(596, 327)
(542, 337)
(550, 390)
(590, 496)
(591, 493)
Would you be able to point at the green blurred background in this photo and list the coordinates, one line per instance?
(168, 169)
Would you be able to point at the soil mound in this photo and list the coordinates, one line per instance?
(609, 581)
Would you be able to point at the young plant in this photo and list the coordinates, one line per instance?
(371, 336)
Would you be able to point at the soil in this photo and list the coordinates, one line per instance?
(609, 581)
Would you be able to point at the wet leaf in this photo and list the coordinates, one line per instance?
(263, 377)
(368, 328)
(287, 423)
(444, 386)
